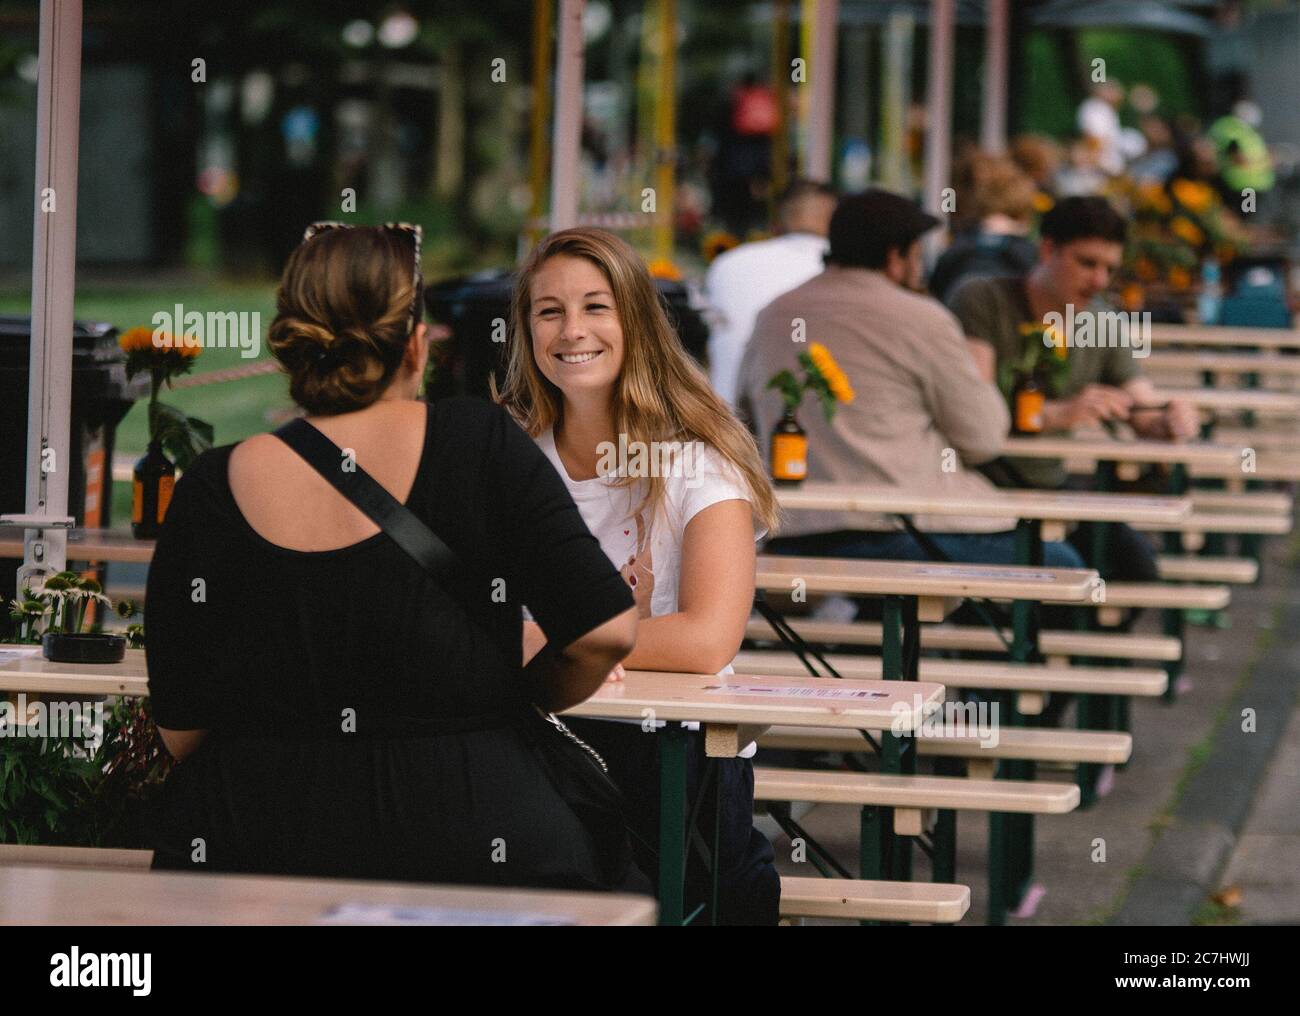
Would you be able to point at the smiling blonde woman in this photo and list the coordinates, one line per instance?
(596, 368)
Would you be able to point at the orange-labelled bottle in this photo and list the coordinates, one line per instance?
(1027, 399)
(789, 451)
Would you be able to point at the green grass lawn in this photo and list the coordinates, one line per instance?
(235, 409)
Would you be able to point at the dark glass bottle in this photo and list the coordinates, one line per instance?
(151, 491)
(789, 451)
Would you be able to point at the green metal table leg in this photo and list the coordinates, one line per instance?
(900, 638)
(672, 824)
(1018, 830)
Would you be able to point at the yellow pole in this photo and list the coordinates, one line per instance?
(537, 153)
(665, 129)
(781, 91)
(807, 46)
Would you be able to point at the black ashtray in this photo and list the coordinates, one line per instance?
(91, 648)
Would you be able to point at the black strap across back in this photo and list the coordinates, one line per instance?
(401, 524)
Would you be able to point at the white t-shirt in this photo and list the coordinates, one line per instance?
(705, 478)
(742, 282)
(699, 477)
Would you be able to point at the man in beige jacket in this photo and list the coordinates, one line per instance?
(926, 408)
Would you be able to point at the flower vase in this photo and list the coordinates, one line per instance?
(152, 482)
(789, 451)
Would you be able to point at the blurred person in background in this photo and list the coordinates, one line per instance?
(745, 279)
(999, 202)
(742, 168)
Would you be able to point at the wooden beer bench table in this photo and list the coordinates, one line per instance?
(917, 591)
(31, 895)
(734, 709)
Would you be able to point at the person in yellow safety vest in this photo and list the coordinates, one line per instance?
(1244, 159)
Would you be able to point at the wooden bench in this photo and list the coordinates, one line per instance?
(74, 857)
(1160, 596)
(1031, 680)
(909, 796)
(978, 639)
(1064, 747)
(866, 900)
(1193, 568)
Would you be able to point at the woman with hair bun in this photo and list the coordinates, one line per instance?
(336, 708)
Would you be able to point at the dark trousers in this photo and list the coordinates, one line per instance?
(749, 889)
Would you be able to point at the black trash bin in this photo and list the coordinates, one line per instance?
(101, 396)
(477, 310)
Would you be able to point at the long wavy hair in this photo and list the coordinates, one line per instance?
(661, 393)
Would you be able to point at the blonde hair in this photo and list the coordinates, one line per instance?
(660, 394)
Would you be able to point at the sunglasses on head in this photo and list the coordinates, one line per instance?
(414, 231)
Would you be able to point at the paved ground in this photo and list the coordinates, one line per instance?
(1204, 810)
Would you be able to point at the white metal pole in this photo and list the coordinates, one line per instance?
(54, 260)
(938, 101)
(993, 124)
(821, 114)
(566, 147)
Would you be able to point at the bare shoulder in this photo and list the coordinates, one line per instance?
(256, 456)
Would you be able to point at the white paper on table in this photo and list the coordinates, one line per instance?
(12, 654)
(386, 914)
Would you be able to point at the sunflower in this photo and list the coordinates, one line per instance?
(1192, 194)
(830, 371)
(1187, 231)
(717, 243)
(1132, 297)
(662, 268)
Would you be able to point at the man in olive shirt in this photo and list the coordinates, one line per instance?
(1082, 245)
(924, 414)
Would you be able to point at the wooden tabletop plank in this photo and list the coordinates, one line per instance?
(88, 545)
(1219, 336)
(924, 578)
(711, 698)
(33, 673)
(745, 699)
(78, 896)
(1224, 363)
(1042, 505)
(1102, 747)
(1105, 449)
(1268, 465)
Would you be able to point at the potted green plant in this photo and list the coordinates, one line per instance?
(55, 615)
